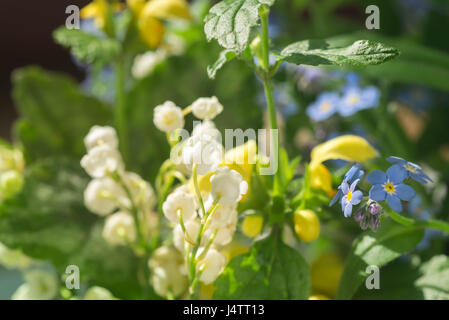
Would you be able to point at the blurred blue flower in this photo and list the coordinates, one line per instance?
(351, 197)
(413, 170)
(416, 209)
(355, 99)
(325, 106)
(417, 98)
(352, 79)
(353, 174)
(389, 186)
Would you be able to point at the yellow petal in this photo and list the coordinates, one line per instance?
(326, 272)
(242, 158)
(206, 291)
(252, 226)
(318, 297)
(307, 225)
(167, 9)
(93, 9)
(320, 178)
(234, 249)
(136, 6)
(151, 31)
(349, 148)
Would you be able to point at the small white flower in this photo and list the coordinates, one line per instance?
(174, 45)
(181, 201)
(192, 230)
(119, 228)
(223, 215)
(141, 191)
(203, 151)
(206, 108)
(207, 127)
(168, 117)
(39, 285)
(212, 265)
(102, 196)
(228, 185)
(145, 63)
(166, 265)
(98, 136)
(225, 231)
(102, 160)
(98, 293)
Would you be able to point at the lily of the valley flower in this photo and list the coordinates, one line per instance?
(228, 186)
(206, 108)
(168, 117)
(179, 202)
(211, 265)
(98, 136)
(119, 229)
(102, 160)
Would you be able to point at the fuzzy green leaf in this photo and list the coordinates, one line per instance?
(319, 52)
(87, 47)
(378, 249)
(225, 56)
(230, 22)
(271, 270)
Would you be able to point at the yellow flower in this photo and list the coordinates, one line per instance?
(234, 249)
(98, 10)
(252, 225)
(326, 272)
(349, 148)
(150, 14)
(307, 225)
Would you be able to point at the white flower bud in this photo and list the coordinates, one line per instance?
(39, 285)
(145, 63)
(98, 293)
(206, 108)
(192, 230)
(228, 186)
(208, 128)
(203, 151)
(119, 228)
(98, 136)
(102, 160)
(141, 191)
(182, 201)
(102, 196)
(167, 265)
(212, 265)
(168, 117)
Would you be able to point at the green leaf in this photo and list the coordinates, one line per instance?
(271, 270)
(434, 281)
(390, 242)
(320, 52)
(48, 221)
(225, 56)
(86, 47)
(230, 22)
(55, 114)
(433, 65)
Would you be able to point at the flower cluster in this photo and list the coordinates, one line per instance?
(386, 186)
(123, 197)
(352, 99)
(202, 211)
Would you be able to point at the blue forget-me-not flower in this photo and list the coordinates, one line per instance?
(413, 170)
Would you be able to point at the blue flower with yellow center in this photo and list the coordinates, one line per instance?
(412, 170)
(325, 106)
(355, 99)
(388, 186)
(352, 175)
(350, 198)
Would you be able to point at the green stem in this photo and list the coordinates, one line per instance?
(120, 107)
(406, 221)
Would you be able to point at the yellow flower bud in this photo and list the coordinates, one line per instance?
(252, 226)
(307, 225)
(151, 31)
(326, 272)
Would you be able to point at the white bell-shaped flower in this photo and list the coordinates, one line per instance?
(166, 265)
(204, 151)
(223, 215)
(225, 232)
(141, 191)
(98, 136)
(168, 117)
(180, 201)
(102, 196)
(119, 228)
(192, 230)
(228, 186)
(208, 128)
(211, 266)
(206, 108)
(145, 63)
(102, 160)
